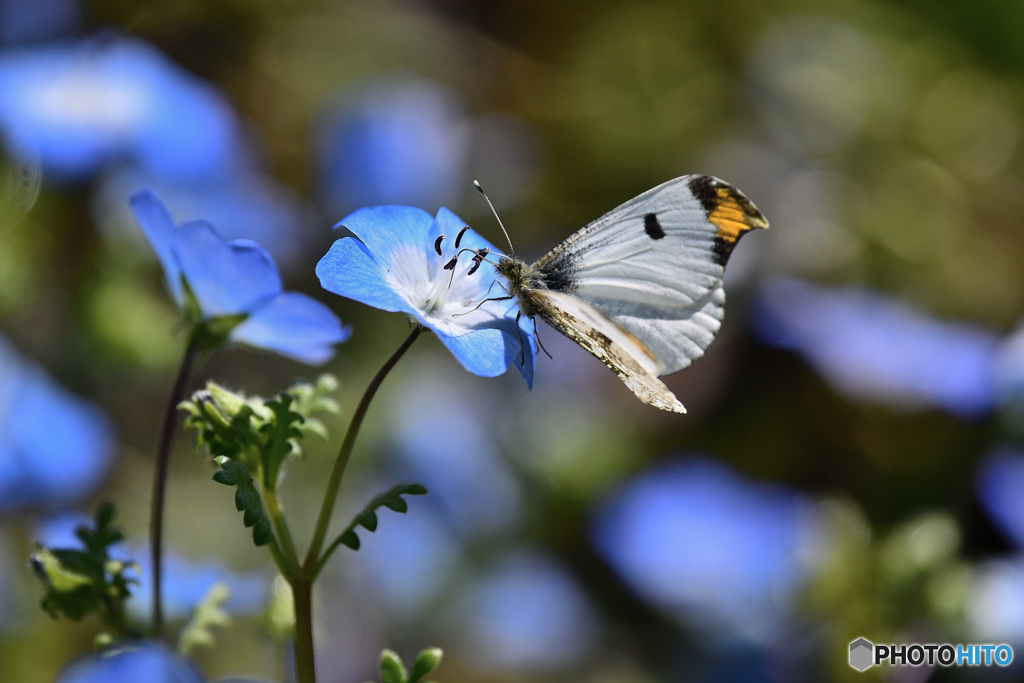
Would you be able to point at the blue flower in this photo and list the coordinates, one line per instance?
(80, 106)
(151, 662)
(709, 547)
(871, 348)
(397, 141)
(228, 279)
(1000, 488)
(527, 614)
(54, 447)
(392, 264)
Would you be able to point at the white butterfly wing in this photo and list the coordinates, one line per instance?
(613, 345)
(654, 265)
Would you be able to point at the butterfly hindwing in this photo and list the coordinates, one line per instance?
(626, 355)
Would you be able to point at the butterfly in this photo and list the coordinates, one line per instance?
(641, 287)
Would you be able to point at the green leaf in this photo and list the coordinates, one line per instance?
(426, 661)
(391, 668)
(86, 580)
(280, 435)
(247, 498)
(367, 517)
(209, 614)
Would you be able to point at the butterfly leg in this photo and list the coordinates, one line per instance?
(495, 298)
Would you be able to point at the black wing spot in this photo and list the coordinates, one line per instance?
(653, 227)
(704, 188)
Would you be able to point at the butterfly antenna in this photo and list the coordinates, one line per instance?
(480, 189)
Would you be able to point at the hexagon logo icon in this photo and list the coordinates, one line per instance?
(862, 654)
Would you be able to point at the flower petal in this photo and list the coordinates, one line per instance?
(491, 344)
(293, 325)
(383, 229)
(349, 270)
(227, 278)
(158, 226)
(134, 662)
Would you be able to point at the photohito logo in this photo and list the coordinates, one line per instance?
(865, 654)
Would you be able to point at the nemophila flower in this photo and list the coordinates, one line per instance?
(79, 106)
(245, 204)
(1000, 489)
(54, 448)
(709, 547)
(528, 613)
(151, 662)
(398, 141)
(234, 289)
(442, 433)
(871, 348)
(409, 140)
(403, 259)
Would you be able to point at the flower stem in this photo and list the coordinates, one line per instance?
(334, 483)
(302, 584)
(287, 555)
(163, 457)
(305, 663)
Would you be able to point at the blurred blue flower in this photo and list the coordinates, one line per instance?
(54, 448)
(709, 547)
(150, 662)
(79, 106)
(399, 141)
(407, 563)
(444, 437)
(391, 264)
(870, 348)
(186, 581)
(246, 204)
(527, 614)
(237, 278)
(1000, 489)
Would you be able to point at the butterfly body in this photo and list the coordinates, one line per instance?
(641, 287)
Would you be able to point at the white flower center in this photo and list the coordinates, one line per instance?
(446, 297)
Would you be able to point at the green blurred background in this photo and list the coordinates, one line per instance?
(881, 139)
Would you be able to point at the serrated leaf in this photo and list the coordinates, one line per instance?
(247, 499)
(262, 532)
(367, 517)
(87, 580)
(349, 538)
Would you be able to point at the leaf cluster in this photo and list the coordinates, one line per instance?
(250, 438)
(392, 670)
(86, 580)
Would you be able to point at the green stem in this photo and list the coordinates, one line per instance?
(163, 458)
(289, 557)
(302, 582)
(305, 663)
(334, 483)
